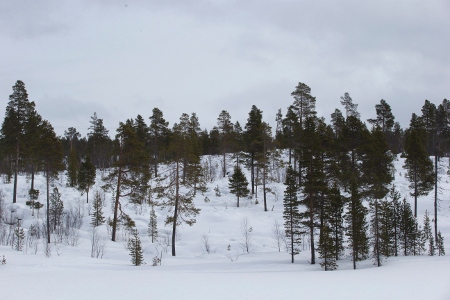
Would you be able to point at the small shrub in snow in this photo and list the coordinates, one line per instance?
(217, 191)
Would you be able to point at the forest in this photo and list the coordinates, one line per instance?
(337, 177)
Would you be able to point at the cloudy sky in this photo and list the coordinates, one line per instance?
(121, 58)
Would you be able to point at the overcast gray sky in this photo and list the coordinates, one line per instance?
(123, 58)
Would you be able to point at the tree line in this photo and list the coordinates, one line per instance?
(340, 173)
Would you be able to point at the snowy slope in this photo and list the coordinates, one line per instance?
(265, 273)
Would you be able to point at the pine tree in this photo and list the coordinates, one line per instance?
(51, 160)
(238, 184)
(86, 177)
(135, 248)
(178, 188)
(313, 183)
(71, 135)
(377, 172)
(97, 218)
(225, 127)
(159, 132)
(291, 214)
(334, 210)
(130, 172)
(352, 142)
(153, 226)
(253, 139)
(417, 163)
(13, 127)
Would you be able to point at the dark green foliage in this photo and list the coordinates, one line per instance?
(99, 143)
(178, 187)
(238, 184)
(440, 244)
(14, 127)
(357, 229)
(159, 134)
(19, 238)
(97, 218)
(351, 109)
(291, 214)
(327, 249)
(334, 212)
(56, 208)
(428, 235)
(135, 248)
(417, 163)
(130, 173)
(313, 183)
(408, 234)
(253, 139)
(153, 226)
(72, 136)
(86, 177)
(33, 204)
(51, 160)
(72, 168)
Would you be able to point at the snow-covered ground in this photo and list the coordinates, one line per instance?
(224, 273)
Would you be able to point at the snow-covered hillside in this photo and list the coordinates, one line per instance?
(227, 271)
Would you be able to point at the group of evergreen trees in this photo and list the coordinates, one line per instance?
(340, 174)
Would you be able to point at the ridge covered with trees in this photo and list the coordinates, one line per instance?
(338, 177)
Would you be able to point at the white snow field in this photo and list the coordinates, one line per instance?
(224, 273)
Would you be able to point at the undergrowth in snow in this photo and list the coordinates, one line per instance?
(211, 261)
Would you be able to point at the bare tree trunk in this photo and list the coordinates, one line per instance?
(435, 197)
(16, 171)
(116, 205)
(48, 206)
(175, 212)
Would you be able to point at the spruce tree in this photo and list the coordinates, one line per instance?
(135, 248)
(97, 218)
(19, 238)
(291, 214)
(440, 244)
(327, 249)
(86, 177)
(72, 168)
(56, 208)
(153, 225)
(428, 235)
(238, 184)
(408, 229)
